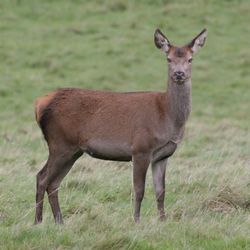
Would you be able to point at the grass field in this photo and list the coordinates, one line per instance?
(49, 44)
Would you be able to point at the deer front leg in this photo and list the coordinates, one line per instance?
(140, 165)
(158, 171)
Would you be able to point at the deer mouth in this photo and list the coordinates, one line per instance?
(179, 80)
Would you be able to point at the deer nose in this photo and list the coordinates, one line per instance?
(179, 74)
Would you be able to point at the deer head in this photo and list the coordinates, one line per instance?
(179, 58)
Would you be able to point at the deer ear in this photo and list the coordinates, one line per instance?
(198, 42)
(161, 42)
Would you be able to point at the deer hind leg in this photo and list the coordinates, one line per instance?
(49, 179)
(140, 166)
(158, 172)
(58, 172)
(41, 184)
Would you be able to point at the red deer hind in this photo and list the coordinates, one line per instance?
(144, 127)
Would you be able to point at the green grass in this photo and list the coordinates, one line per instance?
(49, 44)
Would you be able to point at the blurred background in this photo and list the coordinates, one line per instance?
(108, 45)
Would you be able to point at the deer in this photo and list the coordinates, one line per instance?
(143, 127)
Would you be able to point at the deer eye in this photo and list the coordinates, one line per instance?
(190, 60)
(169, 60)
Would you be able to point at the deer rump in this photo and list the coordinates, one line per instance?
(106, 125)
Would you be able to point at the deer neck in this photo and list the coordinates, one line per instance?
(179, 101)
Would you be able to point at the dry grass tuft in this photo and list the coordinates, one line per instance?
(227, 201)
(113, 243)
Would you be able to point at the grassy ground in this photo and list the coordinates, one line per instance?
(49, 44)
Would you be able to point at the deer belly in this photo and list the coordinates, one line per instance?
(112, 151)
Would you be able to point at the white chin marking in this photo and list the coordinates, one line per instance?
(180, 82)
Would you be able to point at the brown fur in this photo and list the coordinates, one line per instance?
(41, 104)
(144, 127)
